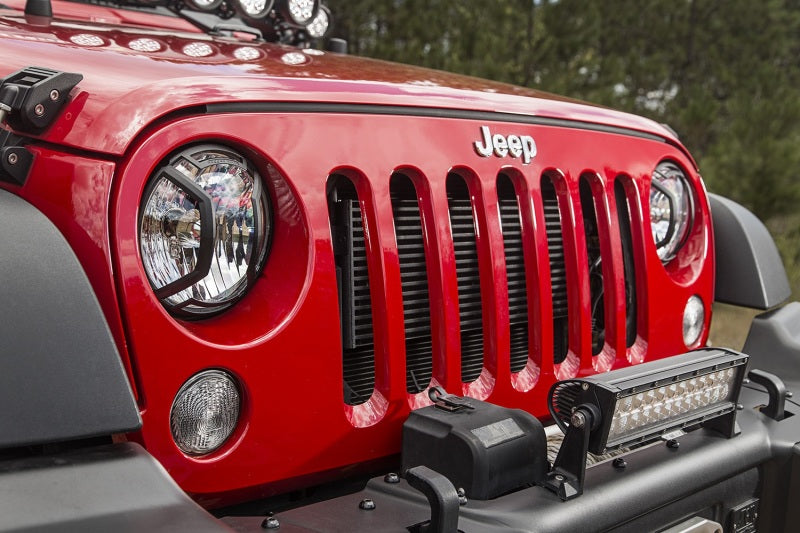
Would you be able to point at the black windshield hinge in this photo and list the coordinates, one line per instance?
(31, 98)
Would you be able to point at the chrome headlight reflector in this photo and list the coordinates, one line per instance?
(205, 412)
(204, 229)
(670, 209)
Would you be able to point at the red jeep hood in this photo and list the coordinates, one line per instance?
(134, 75)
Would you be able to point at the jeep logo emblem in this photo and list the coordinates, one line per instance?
(514, 145)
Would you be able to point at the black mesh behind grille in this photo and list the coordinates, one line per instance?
(462, 225)
(558, 271)
(414, 283)
(515, 272)
(623, 215)
(594, 267)
(355, 305)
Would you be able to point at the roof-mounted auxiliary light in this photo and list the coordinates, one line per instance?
(254, 9)
(298, 12)
(639, 404)
(203, 5)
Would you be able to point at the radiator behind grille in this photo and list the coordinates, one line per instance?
(414, 283)
(470, 312)
(355, 306)
(558, 270)
(515, 272)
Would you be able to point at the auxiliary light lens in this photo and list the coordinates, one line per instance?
(205, 412)
(693, 318)
(255, 8)
(301, 12)
(318, 27)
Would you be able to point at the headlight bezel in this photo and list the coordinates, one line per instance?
(681, 208)
(167, 171)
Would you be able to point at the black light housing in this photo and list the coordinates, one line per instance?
(642, 403)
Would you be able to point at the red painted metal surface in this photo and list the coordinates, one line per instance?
(283, 340)
(124, 90)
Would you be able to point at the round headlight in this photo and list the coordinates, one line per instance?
(204, 229)
(693, 317)
(318, 27)
(205, 412)
(300, 12)
(255, 8)
(670, 209)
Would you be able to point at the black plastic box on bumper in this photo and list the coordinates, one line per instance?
(485, 449)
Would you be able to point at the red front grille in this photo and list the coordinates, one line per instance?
(588, 273)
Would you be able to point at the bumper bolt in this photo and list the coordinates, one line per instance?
(39, 110)
(673, 444)
(462, 496)
(12, 158)
(366, 505)
(391, 477)
(270, 522)
(620, 463)
(54, 95)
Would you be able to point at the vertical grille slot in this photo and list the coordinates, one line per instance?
(595, 267)
(624, 217)
(558, 271)
(515, 272)
(414, 283)
(470, 311)
(355, 306)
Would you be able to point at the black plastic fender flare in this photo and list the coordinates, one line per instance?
(749, 269)
(61, 377)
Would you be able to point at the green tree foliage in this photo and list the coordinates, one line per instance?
(725, 74)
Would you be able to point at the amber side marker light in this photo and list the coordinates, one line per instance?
(638, 404)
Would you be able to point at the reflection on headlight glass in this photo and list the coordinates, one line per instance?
(670, 209)
(172, 230)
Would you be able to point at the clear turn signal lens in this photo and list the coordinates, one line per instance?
(694, 316)
(205, 412)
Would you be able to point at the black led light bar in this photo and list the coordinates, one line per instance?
(641, 403)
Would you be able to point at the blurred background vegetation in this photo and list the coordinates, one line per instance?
(724, 74)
